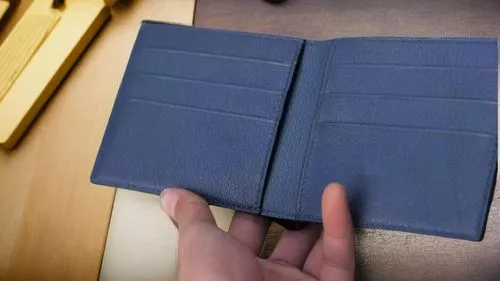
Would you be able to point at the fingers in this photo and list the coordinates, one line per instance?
(250, 230)
(314, 261)
(294, 246)
(338, 245)
(185, 208)
(331, 257)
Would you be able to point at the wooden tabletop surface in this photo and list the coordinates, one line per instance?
(53, 222)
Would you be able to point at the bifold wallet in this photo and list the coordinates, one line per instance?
(262, 123)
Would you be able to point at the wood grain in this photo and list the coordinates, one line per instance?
(384, 255)
(327, 19)
(53, 222)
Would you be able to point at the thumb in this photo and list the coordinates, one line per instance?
(185, 208)
(338, 244)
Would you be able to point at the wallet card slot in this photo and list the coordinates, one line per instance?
(389, 178)
(244, 73)
(444, 83)
(460, 53)
(200, 109)
(403, 97)
(411, 66)
(408, 128)
(419, 114)
(221, 56)
(264, 47)
(255, 103)
(198, 81)
(204, 152)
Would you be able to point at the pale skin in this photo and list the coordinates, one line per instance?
(206, 252)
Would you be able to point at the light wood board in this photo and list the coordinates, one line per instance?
(142, 241)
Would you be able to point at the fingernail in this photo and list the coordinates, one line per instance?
(168, 200)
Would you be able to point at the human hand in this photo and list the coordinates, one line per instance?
(206, 252)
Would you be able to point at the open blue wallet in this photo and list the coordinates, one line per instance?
(262, 123)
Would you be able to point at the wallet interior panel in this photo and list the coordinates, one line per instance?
(414, 143)
(198, 109)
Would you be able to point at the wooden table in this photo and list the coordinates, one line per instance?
(384, 255)
(53, 222)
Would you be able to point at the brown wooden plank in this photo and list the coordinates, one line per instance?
(327, 19)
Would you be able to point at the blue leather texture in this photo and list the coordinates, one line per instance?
(198, 109)
(262, 123)
(408, 125)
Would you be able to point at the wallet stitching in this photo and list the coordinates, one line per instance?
(278, 113)
(312, 134)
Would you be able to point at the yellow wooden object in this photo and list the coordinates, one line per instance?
(22, 44)
(4, 6)
(78, 22)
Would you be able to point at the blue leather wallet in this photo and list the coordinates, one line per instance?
(262, 123)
